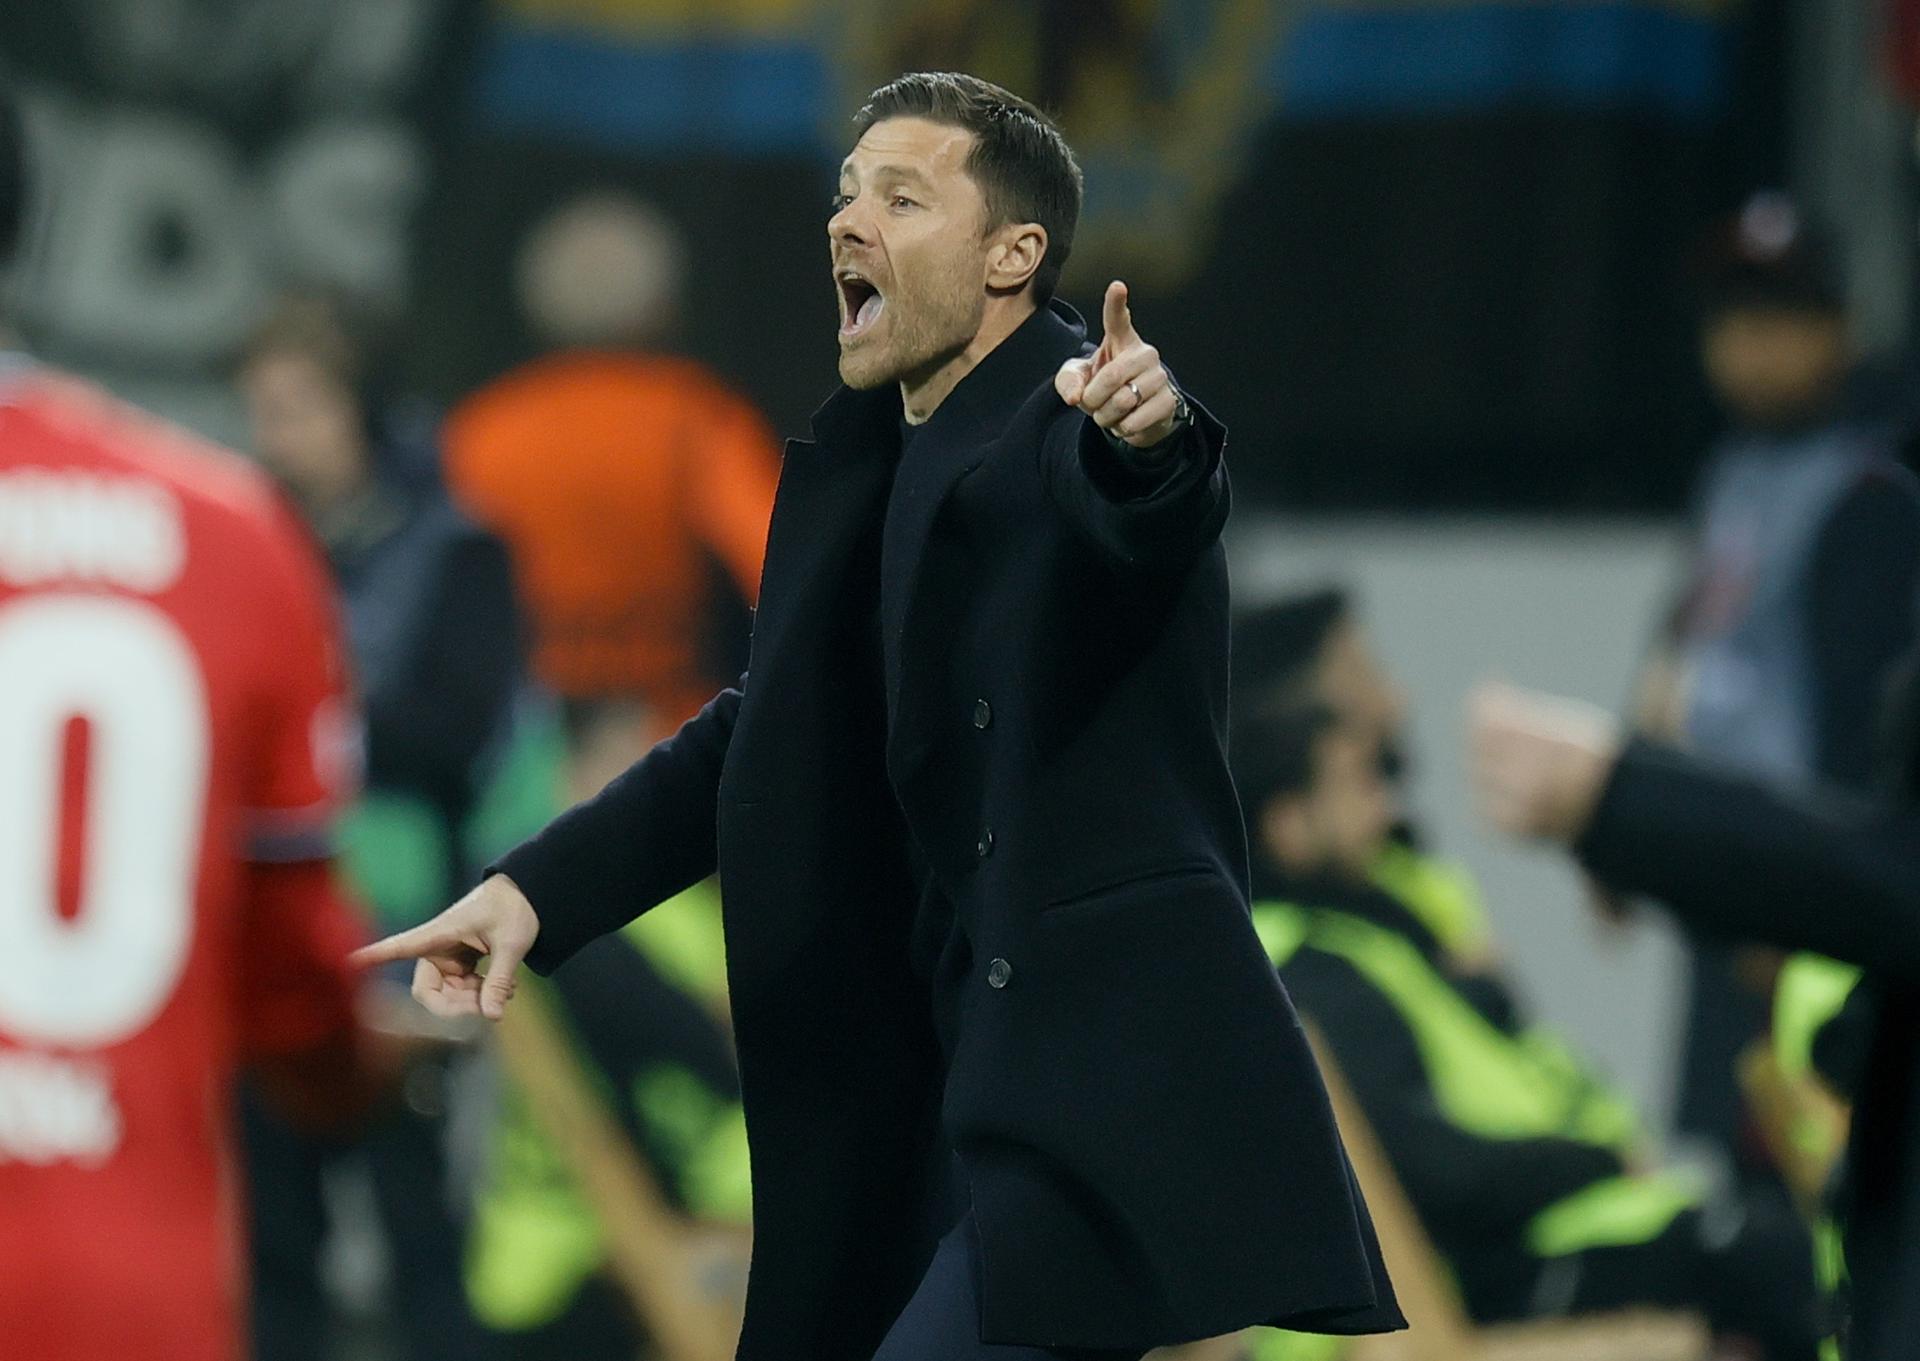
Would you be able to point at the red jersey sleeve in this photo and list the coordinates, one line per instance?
(298, 990)
(307, 759)
(298, 926)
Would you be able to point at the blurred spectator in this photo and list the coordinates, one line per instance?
(1312, 649)
(174, 702)
(630, 485)
(1313, 644)
(1531, 1175)
(433, 634)
(429, 598)
(1800, 593)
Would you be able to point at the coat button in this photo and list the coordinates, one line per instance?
(998, 972)
(984, 846)
(982, 714)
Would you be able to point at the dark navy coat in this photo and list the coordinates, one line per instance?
(1140, 1128)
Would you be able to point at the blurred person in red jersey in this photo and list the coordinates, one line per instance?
(175, 739)
(632, 487)
(1799, 591)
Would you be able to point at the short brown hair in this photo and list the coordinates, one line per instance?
(1024, 167)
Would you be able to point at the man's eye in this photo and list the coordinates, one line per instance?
(839, 201)
(902, 201)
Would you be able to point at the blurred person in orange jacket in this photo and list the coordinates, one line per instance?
(619, 475)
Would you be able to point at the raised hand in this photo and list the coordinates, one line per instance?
(1122, 385)
(495, 922)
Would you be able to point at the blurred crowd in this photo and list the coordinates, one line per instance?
(555, 573)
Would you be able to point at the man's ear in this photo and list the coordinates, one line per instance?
(1015, 253)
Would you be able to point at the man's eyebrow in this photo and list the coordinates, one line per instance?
(887, 172)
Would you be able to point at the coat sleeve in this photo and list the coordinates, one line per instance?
(1138, 522)
(1858, 611)
(648, 835)
(1733, 857)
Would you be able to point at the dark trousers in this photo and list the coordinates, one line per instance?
(942, 1320)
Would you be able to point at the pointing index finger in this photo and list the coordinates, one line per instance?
(1117, 317)
(412, 944)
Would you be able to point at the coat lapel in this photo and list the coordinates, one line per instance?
(817, 591)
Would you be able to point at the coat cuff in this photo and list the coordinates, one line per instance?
(1613, 844)
(1128, 476)
(554, 945)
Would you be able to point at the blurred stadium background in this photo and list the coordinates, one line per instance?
(1432, 261)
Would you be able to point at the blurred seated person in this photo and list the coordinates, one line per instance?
(433, 641)
(1528, 1172)
(1311, 648)
(631, 485)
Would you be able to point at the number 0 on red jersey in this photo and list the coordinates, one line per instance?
(172, 723)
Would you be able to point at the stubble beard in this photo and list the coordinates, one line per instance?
(922, 334)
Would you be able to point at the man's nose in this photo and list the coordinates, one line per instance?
(849, 223)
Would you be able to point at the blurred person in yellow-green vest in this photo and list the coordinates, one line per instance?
(1311, 648)
(1531, 1175)
(644, 1010)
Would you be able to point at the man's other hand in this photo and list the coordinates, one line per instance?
(1539, 763)
(1122, 385)
(495, 922)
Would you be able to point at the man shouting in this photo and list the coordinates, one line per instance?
(1019, 1081)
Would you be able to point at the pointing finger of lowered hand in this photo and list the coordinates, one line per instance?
(425, 939)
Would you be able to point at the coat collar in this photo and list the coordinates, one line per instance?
(985, 399)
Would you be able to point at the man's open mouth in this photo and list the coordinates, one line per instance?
(860, 303)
